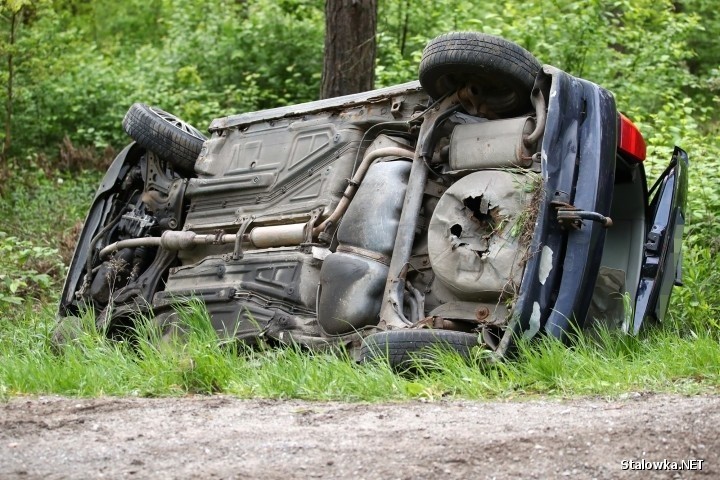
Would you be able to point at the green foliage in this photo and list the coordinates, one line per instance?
(26, 270)
(637, 49)
(705, 64)
(80, 66)
(38, 214)
(90, 364)
(43, 206)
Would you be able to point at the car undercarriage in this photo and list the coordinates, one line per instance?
(494, 199)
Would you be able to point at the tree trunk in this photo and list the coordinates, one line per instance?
(9, 93)
(406, 23)
(349, 65)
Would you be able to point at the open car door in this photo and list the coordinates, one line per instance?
(661, 266)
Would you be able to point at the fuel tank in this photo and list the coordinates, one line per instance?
(352, 278)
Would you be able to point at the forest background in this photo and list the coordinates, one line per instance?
(69, 70)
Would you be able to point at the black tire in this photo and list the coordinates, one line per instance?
(165, 135)
(503, 70)
(403, 348)
(67, 330)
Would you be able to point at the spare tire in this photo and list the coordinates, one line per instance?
(405, 347)
(504, 71)
(166, 135)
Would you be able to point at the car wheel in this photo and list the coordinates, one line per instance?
(503, 71)
(403, 348)
(66, 331)
(166, 135)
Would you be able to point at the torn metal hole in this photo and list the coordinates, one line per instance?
(481, 253)
(481, 212)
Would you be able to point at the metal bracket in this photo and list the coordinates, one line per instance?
(378, 257)
(314, 215)
(434, 189)
(244, 224)
(396, 107)
(569, 216)
(163, 194)
(654, 239)
(420, 262)
(218, 237)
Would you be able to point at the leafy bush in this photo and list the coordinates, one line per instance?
(40, 212)
(79, 69)
(26, 270)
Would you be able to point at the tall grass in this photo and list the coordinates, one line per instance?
(91, 364)
(198, 363)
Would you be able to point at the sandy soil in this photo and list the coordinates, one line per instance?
(222, 437)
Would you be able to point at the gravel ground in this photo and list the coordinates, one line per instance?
(223, 437)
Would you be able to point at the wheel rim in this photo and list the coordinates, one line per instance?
(496, 96)
(177, 123)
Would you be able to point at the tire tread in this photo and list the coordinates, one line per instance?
(166, 140)
(482, 53)
(401, 347)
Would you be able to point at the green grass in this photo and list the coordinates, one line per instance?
(664, 360)
(92, 365)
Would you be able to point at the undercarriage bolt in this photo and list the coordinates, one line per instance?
(482, 313)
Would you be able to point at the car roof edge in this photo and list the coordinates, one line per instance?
(313, 107)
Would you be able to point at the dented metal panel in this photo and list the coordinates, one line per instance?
(471, 241)
(578, 168)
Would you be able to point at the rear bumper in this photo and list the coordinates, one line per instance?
(578, 168)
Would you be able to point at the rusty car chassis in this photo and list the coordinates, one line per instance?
(496, 198)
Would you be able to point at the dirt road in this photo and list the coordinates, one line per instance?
(222, 437)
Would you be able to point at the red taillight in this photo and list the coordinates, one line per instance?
(631, 142)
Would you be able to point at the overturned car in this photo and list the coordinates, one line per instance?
(494, 199)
